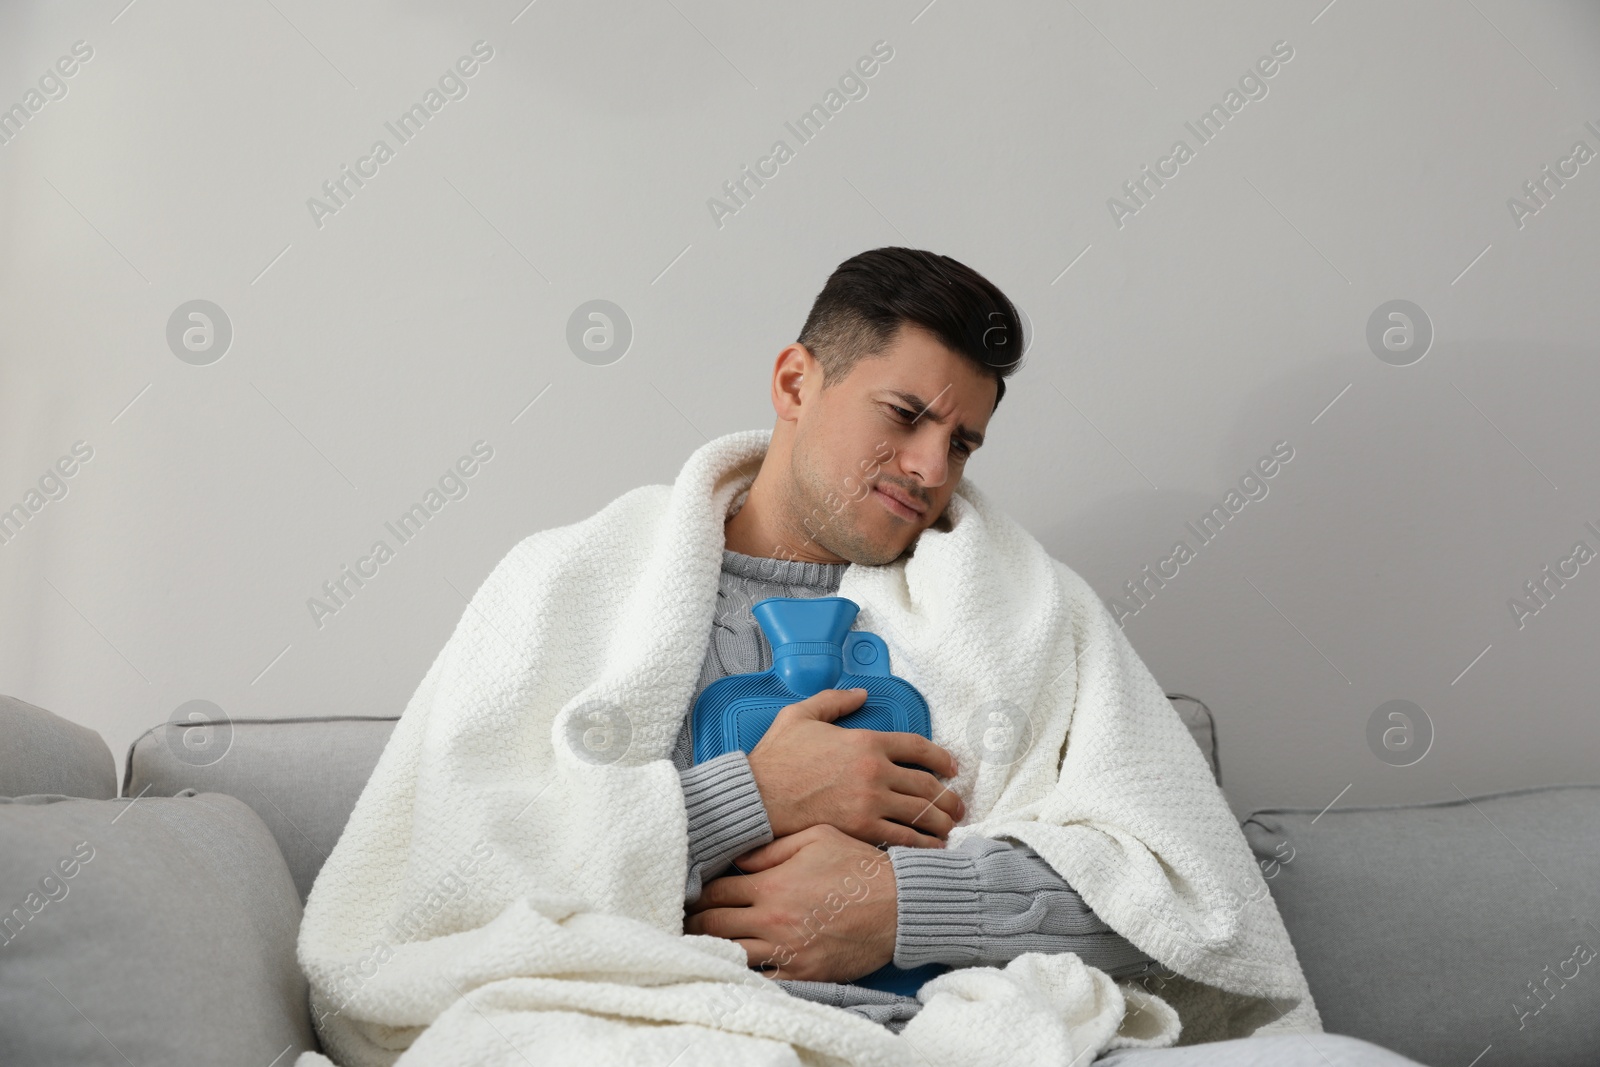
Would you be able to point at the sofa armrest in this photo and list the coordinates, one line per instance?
(44, 753)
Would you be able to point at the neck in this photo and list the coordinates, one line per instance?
(760, 528)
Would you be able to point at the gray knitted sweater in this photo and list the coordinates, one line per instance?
(983, 902)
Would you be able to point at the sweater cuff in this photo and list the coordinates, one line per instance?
(938, 906)
(726, 816)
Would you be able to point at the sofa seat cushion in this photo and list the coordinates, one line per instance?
(152, 930)
(44, 753)
(1440, 929)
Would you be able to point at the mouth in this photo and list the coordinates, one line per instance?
(898, 503)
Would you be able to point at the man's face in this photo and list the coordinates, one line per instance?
(899, 425)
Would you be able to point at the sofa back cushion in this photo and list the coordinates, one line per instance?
(1441, 929)
(303, 775)
(156, 930)
(40, 752)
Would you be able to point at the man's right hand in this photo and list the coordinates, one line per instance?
(810, 771)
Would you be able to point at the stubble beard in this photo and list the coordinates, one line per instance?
(837, 532)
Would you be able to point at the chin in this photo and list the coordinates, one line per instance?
(886, 554)
(867, 547)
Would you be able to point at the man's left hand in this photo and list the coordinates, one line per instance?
(817, 905)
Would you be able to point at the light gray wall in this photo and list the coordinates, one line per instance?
(1171, 351)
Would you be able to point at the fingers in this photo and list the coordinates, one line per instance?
(930, 789)
(731, 923)
(737, 924)
(886, 833)
(764, 954)
(738, 862)
(922, 814)
(914, 748)
(728, 891)
(775, 851)
(827, 705)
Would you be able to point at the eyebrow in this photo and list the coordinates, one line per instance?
(916, 403)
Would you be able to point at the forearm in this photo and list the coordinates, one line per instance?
(726, 817)
(985, 902)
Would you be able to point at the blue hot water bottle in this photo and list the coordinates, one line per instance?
(813, 648)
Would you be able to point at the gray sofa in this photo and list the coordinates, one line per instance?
(159, 926)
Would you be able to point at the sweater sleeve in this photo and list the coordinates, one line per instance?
(726, 816)
(985, 902)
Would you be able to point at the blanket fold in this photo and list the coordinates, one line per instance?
(511, 877)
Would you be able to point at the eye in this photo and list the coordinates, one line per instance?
(910, 417)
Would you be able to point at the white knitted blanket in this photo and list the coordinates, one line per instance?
(509, 888)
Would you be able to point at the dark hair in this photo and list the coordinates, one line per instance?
(869, 296)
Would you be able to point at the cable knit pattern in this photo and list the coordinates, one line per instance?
(984, 903)
(512, 876)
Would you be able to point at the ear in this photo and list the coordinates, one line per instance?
(796, 378)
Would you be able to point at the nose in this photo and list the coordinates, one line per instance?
(927, 458)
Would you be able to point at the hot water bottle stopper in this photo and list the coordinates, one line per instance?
(813, 648)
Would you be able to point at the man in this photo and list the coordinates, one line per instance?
(897, 371)
(615, 896)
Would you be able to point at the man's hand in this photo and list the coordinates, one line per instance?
(818, 906)
(810, 772)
